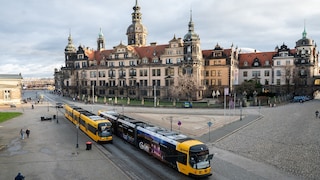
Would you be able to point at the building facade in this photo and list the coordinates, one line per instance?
(10, 89)
(180, 69)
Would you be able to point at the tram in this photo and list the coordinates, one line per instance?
(187, 155)
(96, 127)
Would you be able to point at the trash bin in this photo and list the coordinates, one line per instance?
(89, 145)
(54, 116)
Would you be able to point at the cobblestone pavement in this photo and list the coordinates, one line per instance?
(287, 137)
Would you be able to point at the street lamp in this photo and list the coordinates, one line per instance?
(171, 122)
(77, 125)
(57, 114)
(240, 110)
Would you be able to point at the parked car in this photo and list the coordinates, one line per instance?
(59, 105)
(299, 99)
(187, 104)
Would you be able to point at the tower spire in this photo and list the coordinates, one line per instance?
(304, 33)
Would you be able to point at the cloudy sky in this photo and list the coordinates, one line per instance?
(34, 33)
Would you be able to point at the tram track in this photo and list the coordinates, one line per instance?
(137, 164)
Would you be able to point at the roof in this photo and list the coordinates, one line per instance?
(10, 76)
(250, 57)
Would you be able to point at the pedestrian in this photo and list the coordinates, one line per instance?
(32, 106)
(28, 133)
(21, 134)
(317, 113)
(19, 177)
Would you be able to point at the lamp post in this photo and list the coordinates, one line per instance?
(171, 122)
(77, 125)
(240, 110)
(57, 114)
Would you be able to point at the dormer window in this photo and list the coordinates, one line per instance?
(245, 63)
(267, 63)
(256, 64)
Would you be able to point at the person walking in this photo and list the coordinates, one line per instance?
(28, 133)
(22, 134)
(317, 113)
(19, 177)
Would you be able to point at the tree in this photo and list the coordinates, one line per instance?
(186, 88)
(249, 86)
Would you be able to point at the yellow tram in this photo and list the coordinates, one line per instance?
(189, 156)
(96, 127)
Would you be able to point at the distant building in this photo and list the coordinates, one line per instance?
(10, 89)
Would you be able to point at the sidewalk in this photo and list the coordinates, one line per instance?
(50, 152)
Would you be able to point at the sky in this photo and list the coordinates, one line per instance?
(34, 33)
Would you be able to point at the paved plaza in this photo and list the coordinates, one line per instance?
(272, 142)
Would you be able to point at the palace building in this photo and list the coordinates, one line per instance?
(180, 69)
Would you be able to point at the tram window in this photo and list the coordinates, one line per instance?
(182, 158)
(92, 129)
(82, 122)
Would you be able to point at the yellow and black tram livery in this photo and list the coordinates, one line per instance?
(96, 127)
(189, 156)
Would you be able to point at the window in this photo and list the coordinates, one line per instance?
(102, 74)
(278, 82)
(213, 73)
(145, 61)
(143, 82)
(132, 82)
(156, 72)
(156, 82)
(245, 63)
(121, 63)
(266, 82)
(213, 82)
(267, 63)
(169, 82)
(112, 83)
(93, 74)
(219, 82)
(219, 73)
(278, 72)
(245, 73)
(267, 73)
(255, 73)
(189, 49)
(278, 63)
(122, 73)
(207, 73)
(132, 63)
(111, 64)
(93, 83)
(102, 83)
(132, 72)
(143, 72)
(169, 72)
(168, 61)
(84, 64)
(122, 83)
(112, 73)
(102, 91)
(7, 95)
(111, 92)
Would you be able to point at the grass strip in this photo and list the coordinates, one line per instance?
(4, 116)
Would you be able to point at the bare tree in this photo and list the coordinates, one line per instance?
(186, 89)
